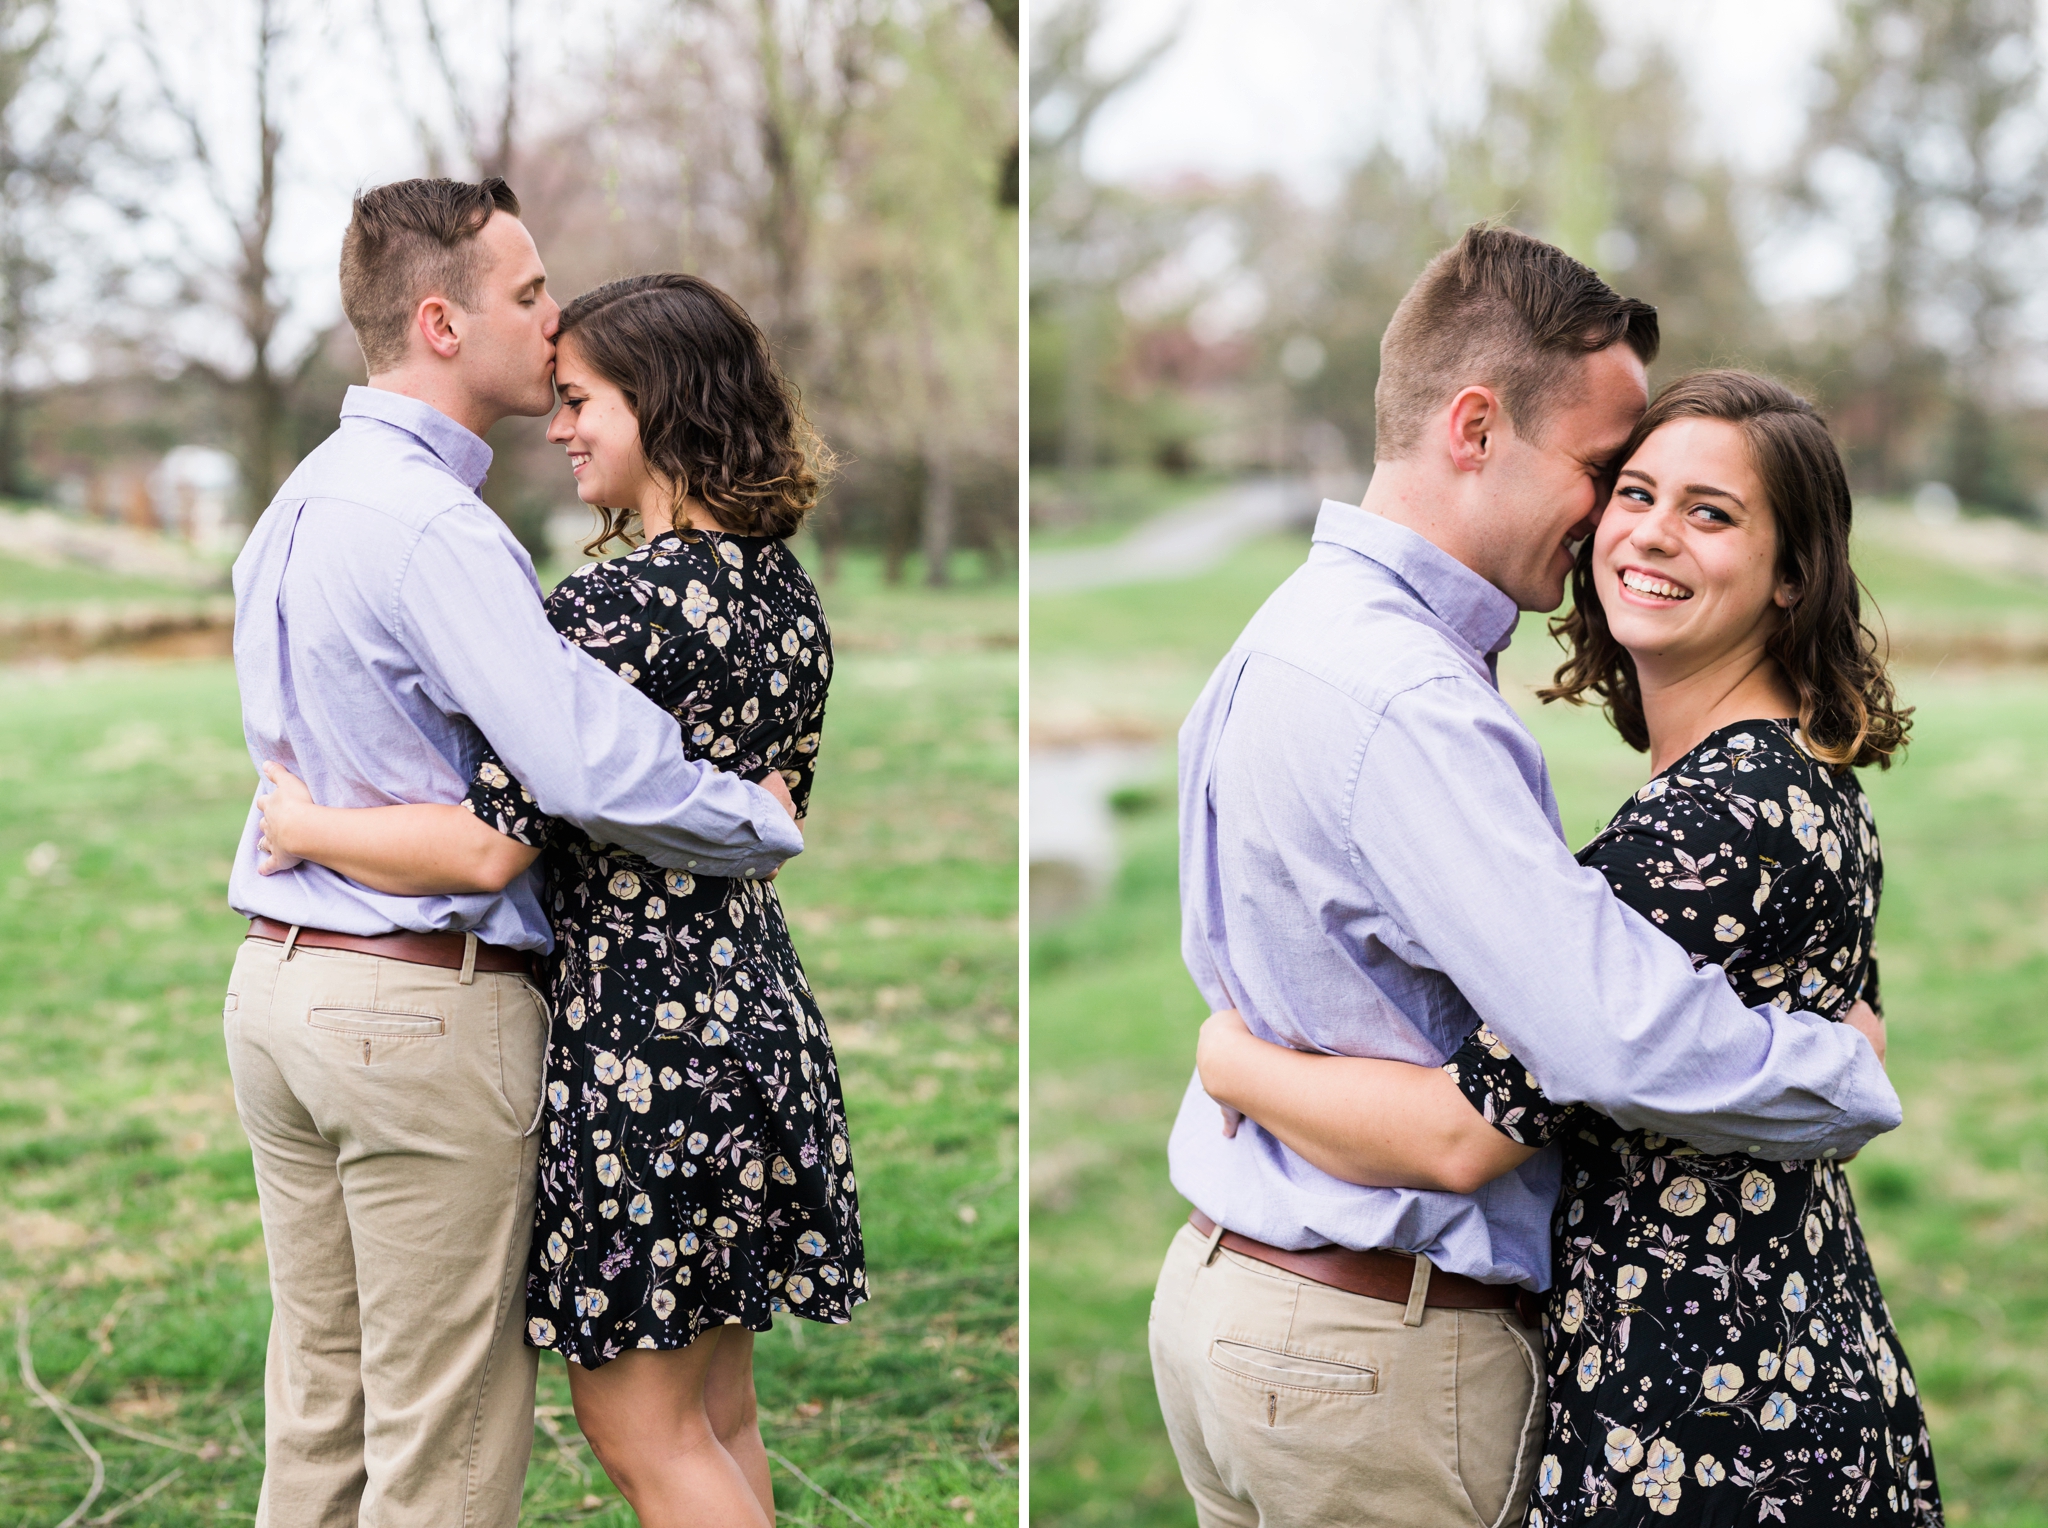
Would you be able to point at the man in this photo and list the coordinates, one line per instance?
(388, 1051)
(1371, 864)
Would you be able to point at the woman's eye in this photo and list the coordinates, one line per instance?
(1640, 495)
(1715, 514)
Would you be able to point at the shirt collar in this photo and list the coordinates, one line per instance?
(461, 450)
(1457, 596)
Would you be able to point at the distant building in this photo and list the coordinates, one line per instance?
(194, 493)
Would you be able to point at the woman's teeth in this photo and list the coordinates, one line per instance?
(1643, 583)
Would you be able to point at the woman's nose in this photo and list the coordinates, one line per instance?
(559, 427)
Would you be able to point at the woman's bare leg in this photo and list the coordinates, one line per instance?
(645, 1416)
(735, 1417)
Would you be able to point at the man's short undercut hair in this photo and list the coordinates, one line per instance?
(1501, 310)
(409, 241)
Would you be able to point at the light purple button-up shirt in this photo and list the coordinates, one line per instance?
(386, 624)
(1372, 862)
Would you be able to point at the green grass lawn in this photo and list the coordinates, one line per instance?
(1956, 1203)
(128, 1221)
(26, 586)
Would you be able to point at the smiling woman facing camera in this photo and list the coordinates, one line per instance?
(1718, 1347)
(695, 1174)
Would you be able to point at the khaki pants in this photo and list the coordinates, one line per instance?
(1295, 1405)
(389, 1106)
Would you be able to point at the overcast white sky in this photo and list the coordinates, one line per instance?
(1302, 87)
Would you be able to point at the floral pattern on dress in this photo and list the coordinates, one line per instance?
(695, 1167)
(1719, 1350)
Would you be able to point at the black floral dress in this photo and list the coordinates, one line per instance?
(1719, 1351)
(694, 1165)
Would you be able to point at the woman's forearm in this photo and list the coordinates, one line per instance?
(1386, 1124)
(410, 851)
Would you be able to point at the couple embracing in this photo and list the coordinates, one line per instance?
(518, 1035)
(1518, 1174)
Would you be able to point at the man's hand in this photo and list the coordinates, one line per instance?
(1220, 1031)
(1867, 1022)
(281, 811)
(776, 786)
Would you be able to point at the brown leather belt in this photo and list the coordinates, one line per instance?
(1377, 1274)
(444, 950)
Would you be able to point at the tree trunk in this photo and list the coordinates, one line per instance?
(938, 516)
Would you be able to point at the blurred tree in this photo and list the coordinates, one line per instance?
(242, 283)
(1928, 157)
(53, 127)
(1086, 239)
(484, 136)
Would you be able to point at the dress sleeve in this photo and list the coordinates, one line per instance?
(1505, 1094)
(506, 805)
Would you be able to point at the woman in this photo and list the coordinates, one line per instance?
(1719, 1351)
(695, 1172)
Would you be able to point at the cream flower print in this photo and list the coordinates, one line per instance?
(1806, 817)
(637, 1091)
(541, 1332)
(752, 1175)
(1777, 1413)
(641, 1210)
(718, 631)
(1574, 1311)
(698, 603)
(599, 948)
(663, 1304)
(608, 1169)
(1624, 1452)
(1799, 1368)
(1794, 1296)
(1758, 1193)
(1548, 1474)
(492, 775)
(1491, 1041)
(1761, 1269)
(722, 952)
(607, 1067)
(1684, 1196)
(670, 1015)
(625, 886)
(1721, 1382)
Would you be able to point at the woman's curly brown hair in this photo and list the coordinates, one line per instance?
(717, 420)
(1848, 712)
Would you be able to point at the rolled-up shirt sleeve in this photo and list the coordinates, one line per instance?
(588, 746)
(1603, 1009)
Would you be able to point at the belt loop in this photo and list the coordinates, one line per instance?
(468, 976)
(1215, 1241)
(1418, 1292)
(291, 942)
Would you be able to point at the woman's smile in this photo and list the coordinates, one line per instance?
(1647, 588)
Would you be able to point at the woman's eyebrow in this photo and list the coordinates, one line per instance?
(1637, 472)
(1709, 491)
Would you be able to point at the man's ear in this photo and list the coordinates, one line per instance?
(435, 319)
(1474, 419)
